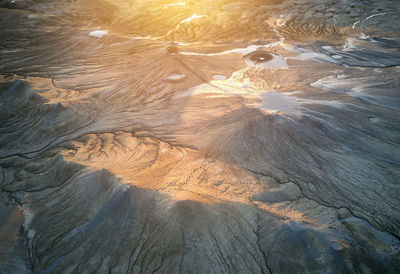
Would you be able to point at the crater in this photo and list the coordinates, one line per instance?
(265, 60)
(98, 33)
(172, 49)
(337, 246)
(175, 77)
(257, 57)
(219, 77)
(374, 119)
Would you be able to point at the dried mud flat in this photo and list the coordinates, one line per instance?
(199, 136)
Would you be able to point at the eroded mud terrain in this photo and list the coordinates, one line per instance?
(199, 136)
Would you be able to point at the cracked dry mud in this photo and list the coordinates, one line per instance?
(199, 136)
